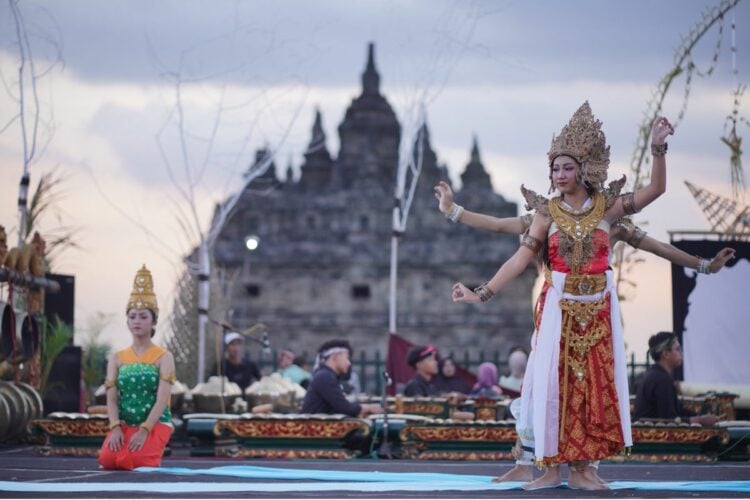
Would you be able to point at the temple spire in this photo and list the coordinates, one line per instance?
(317, 146)
(475, 151)
(475, 176)
(370, 78)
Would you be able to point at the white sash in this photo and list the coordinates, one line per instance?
(543, 391)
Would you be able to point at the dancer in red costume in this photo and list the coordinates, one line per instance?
(578, 386)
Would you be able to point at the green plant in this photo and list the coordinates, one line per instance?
(95, 353)
(56, 335)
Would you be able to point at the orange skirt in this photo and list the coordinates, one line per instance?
(148, 456)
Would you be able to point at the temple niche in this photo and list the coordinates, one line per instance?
(321, 270)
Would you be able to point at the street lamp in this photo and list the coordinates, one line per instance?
(252, 242)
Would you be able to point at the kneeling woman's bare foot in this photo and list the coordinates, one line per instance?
(588, 480)
(517, 473)
(550, 479)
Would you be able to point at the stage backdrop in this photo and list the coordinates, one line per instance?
(711, 315)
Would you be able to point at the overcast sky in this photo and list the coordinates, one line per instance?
(511, 72)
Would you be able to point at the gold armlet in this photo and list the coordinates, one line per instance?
(635, 237)
(531, 243)
(484, 292)
(170, 379)
(628, 203)
(108, 384)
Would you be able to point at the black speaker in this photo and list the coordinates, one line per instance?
(61, 304)
(64, 382)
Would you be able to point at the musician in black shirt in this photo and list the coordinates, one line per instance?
(656, 396)
(325, 394)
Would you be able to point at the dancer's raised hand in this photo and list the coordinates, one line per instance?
(444, 195)
(722, 257)
(660, 130)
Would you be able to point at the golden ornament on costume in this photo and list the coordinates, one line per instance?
(582, 139)
(142, 296)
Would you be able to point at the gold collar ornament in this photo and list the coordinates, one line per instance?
(583, 140)
(576, 230)
(142, 296)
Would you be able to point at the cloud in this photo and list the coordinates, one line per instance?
(510, 72)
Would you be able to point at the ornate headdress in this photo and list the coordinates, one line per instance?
(582, 139)
(142, 296)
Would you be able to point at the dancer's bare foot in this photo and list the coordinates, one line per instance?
(592, 473)
(550, 479)
(518, 473)
(588, 480)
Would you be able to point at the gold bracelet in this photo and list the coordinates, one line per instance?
(114, 424)
(659, 149)
(147, 426)
(484, 292)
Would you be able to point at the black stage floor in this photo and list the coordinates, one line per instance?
(24, 465)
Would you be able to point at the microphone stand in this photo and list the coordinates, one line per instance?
(384, 450)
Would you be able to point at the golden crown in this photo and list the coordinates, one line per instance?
(142, 296)
(582, 139)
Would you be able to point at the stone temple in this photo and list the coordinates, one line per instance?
(321, 270)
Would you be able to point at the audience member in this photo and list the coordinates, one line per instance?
(657, 397)
(289, 369)
(235, 366)
(424, 360)
(325, 394)
(511, 383)
(486, 385)
(447, 380)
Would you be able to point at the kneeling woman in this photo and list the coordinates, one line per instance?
(138, 383)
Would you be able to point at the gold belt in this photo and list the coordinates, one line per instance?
(580, 284)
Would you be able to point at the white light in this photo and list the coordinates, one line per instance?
(252, 242)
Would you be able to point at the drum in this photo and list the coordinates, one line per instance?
(8, 341)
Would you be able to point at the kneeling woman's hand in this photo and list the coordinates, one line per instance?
(136, 442)
(115, 439)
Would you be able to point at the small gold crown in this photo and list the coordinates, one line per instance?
(142, 296)
(582, 139)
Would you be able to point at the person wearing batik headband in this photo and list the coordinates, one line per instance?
(424, 361)
(325, 394)
(139, 381)
(656, 396)
(578, 357)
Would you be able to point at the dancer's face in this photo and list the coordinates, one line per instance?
(140, 322)
(564, 169)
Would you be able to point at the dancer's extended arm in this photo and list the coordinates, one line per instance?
(635, 237)
(512, 225)
(530, 246)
